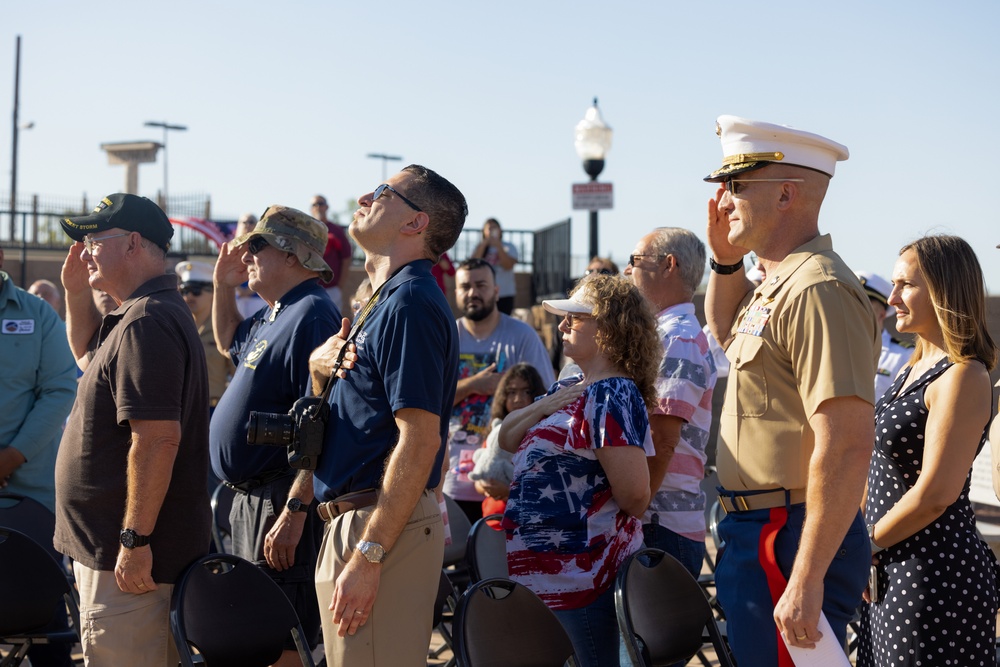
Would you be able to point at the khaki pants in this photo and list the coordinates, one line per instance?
(398, 631)
(119, 628)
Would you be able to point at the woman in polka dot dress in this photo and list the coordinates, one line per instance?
(936, 602)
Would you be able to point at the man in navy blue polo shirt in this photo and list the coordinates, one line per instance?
(380, 562)
(272, 526)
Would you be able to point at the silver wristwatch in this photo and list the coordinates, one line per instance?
(372, 551)
(871, 538)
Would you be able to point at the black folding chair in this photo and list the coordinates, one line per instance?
(222, 529)
(33, 586)
(486, 552)
(500, 623)
(663, 611)
(233, 614)
(444, 619)
(30, 517)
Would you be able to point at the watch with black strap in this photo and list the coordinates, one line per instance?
(131, 539)
(725, 269)
(296, 505)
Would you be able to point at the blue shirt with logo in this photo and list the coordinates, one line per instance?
(271, 351)
(407, 358)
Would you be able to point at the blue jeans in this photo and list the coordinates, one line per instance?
(594, 631)
(742, 585)
(690, 553)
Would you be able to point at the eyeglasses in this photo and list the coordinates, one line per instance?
(632, 258)
(576, 318)
(733, 190)
(320, 204)
(603, 272)
(380, 190)
(90, 243)
(256, 244)
(194, 290)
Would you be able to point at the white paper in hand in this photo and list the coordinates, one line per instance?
(828, 651)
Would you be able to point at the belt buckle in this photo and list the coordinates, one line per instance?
(738, 503)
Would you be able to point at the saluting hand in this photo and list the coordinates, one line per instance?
(230, 271)
(718, 231)
(74, 275)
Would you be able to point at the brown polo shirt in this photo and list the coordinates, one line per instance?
(805, 335)
(150, 365)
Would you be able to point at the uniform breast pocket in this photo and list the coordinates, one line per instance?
(746, 355)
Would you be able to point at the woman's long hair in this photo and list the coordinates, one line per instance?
(626, 330)
(958, 293)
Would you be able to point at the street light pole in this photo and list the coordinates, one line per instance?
(13, 168)
(385, 159)
(593, 141)
(165, 127)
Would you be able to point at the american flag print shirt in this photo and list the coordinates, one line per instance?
(566, 535)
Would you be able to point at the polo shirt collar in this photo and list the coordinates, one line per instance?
(163, 283)
(676, 310)
(413, 270)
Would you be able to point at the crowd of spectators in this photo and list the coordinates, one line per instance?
(160, 378)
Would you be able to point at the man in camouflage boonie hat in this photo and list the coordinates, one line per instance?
(294, 232)
(272, 525)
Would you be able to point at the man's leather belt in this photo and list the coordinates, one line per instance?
(263, 479)
(345, 503)
(742, 501)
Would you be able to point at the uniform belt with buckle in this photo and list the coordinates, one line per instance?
(746, 501)
(355, 500)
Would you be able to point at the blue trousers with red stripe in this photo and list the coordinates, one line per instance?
(743, 587)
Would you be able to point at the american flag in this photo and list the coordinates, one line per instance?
(216, 233)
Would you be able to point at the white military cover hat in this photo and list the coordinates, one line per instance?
(877, 288)
(194, 272)
(751, 144)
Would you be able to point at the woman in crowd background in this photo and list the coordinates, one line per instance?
(581, 481)
(934, 596)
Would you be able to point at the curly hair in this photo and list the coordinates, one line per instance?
(525, 372)
(958, 294)
(626, 330)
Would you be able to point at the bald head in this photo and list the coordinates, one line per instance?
(47, 291)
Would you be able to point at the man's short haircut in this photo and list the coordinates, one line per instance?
(443, 203)
(686, 248)
(474, 263)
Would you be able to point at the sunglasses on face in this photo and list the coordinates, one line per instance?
(574, 319)
(194, 290)
(733, 188)
(256, 244)
(633, 257)
(380, 190)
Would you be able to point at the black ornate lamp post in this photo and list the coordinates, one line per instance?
(593, 141)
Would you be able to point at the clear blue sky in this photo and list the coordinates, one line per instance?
(284, 100)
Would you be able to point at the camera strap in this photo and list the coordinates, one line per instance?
(359, 321)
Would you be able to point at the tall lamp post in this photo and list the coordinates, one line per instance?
(385, 159)
(593, 141)
(166, 127)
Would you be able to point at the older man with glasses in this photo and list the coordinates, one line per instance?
(797, 427)
(131, 501)
(338, 253)
(282, 257)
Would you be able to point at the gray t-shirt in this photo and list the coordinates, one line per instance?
(512, 342)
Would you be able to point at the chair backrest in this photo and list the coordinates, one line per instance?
(662, 610)
(486, 552)
(233, 613)
(222, 503)
(32, 583)
(458, 524)
(500, 622)
(30, 517)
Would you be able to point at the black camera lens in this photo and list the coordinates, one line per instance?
(269, 428)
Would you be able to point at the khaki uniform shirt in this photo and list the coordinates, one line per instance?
(220, 368)
(805, 335)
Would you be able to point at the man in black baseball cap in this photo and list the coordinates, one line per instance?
(123, 211)
(131, 501)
